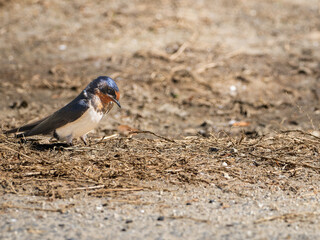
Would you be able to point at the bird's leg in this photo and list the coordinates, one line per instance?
(69, 140)
(55, 135)
(84, 139)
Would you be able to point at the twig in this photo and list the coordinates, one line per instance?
(102, 190)
(25, 180)
(79, 171)
(135, 202)
(302, 132)
(183, 47)
(207, 66)
(285, 216)
(29, 174)
(85, 188)
(190, 218)
(60, 210)
(167, 139)
(107, 137)
(122, 189)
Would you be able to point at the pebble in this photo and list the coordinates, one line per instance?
(213, 149)
(99, 208)
(62, 47)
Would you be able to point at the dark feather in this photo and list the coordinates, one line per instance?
(25, 127)
(67, 114)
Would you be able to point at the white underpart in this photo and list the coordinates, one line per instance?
(86, 123)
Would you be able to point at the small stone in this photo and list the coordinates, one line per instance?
(99, 208)
(213, 149)
(231, 122)
(226, 176)
(204, 133)
(62, 47)
(234, 150)
(23, 104)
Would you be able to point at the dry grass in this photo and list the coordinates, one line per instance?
(288, 160)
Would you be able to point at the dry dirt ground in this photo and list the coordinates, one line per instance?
(225, 94)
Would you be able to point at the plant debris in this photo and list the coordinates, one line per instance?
(286, 160)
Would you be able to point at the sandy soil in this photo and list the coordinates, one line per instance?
(229, 93)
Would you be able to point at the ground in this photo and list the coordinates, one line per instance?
(217, 137)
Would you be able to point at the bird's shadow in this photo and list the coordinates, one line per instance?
(49, 146)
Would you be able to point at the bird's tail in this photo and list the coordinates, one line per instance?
(24, 128)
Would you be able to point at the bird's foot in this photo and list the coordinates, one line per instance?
(84, 139)
(69, 140)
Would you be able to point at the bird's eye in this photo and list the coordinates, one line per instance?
(109, 91)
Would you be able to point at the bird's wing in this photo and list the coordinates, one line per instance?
(67, 114)
(25, 127)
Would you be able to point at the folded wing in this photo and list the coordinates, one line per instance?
(68, 113)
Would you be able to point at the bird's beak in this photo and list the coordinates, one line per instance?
(115, 100)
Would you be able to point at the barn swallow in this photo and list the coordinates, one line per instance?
(78, 117)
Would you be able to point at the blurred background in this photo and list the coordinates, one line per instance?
(183, 67)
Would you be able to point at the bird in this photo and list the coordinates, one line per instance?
(78, 117)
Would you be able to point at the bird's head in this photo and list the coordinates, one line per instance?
(106, 89)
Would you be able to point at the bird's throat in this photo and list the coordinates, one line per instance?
(106, 103)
